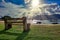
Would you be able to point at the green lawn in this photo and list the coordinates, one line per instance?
(37, 32)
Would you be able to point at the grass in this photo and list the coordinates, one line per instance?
(37, 32)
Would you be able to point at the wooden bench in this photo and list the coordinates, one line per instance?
(8, 22)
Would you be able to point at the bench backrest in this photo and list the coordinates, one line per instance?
(16, 20)
(8, 22)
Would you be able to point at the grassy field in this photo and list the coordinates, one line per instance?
(37, 32)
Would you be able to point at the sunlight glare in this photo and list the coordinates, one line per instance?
(35, 3)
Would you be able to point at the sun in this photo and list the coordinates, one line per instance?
(35, 3)
(34, 7)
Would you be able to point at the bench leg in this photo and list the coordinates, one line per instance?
(8, 26)
(26, 27)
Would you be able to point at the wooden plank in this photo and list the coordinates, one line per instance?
(16, 22)
(16, 19)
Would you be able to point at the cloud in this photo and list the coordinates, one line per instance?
(15, 11)
(53, 8)
(12, 10)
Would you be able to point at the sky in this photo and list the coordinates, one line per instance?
(30, 8)
(52, 1)
(19, 2)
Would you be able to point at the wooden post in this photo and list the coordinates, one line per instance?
(26, 27)
(5, 21)
(7, 25)
(24, 24)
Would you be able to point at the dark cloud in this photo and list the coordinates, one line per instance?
(2, 7)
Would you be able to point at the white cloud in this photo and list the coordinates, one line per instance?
(52, 8)
(17, 10)
(12, 10)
